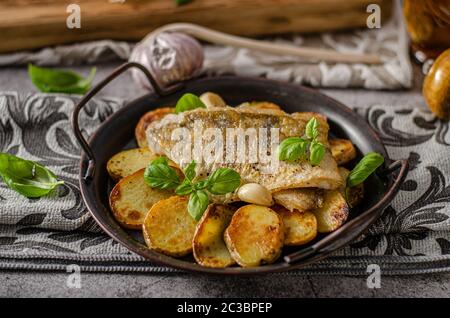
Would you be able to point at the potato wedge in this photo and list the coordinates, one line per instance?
(212, 100)
(127, 162)
(342, 150)
(145, 120)
(299, 199)
(131, 199)
(333, 213)
(208, 244)
(300, 227)
(168, 228)
(255, 235)
(355, 194)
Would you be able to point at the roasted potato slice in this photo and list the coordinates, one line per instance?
(146, 120)
(127, 162)
(261, 107)
(255, 235)
(342, 150)
(168, 228)
(333, 213)
(208, 244)
(300, 227)
(264, 105)
(131, 199)
(212, 100)
(354, 194)
(299, 199)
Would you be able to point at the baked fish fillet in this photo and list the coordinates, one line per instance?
(287, 175)
(304, 199)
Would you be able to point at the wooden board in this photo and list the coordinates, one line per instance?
(29, 24)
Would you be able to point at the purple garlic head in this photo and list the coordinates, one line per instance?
(170, 57)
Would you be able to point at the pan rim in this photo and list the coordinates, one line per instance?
(367, 217)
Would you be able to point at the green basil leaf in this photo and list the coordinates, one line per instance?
(188, 102)
(223, 180)
(316, 153)
(198, 202)
(59, 81)
(292, 149)
(189, 171)
(27, 177)
(161, 176)
(368, 164)
(162, 160)
(202, 184)
(181, 2)
(184, 188)
(312, 128)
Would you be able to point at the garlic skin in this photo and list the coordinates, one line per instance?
(256, 194)
(170, 57)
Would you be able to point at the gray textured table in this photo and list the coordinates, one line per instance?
(44, 284)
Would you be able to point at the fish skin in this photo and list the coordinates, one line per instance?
(303, 199)
(299, 174)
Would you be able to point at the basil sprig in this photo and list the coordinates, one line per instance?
(222, 181)
(160, 175)
(198, 202)
(58, 81)
(365, 167)
(27, 177)
(316, 152)
(294, 148)
(188, 102)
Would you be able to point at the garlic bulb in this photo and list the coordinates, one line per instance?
(170, 57)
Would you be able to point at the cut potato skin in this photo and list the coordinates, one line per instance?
(300, 227)
(128, 162)
(168, 228)
(333, 213)
(208, 244)
(146, 120)
(355, 194)
(342, 150)
(131, 199)
(255, 235)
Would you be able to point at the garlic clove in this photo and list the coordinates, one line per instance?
(256, 194)
(170, 57)
(212, 100)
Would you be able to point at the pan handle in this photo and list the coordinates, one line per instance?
(321, 246)
(119, 70)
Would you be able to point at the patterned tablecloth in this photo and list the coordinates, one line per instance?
(412, 236)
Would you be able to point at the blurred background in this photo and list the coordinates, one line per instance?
(32, 24)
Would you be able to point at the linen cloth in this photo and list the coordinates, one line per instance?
(390, 42)
(412, 236)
